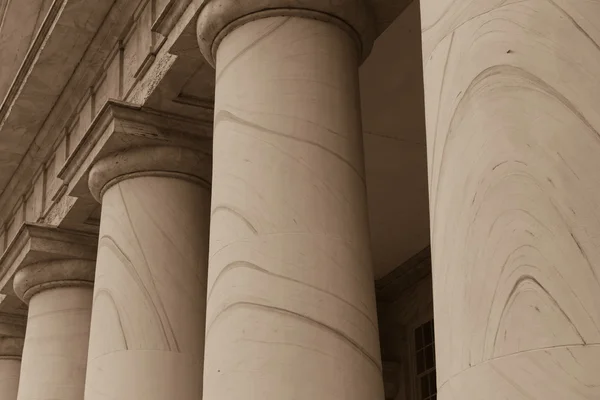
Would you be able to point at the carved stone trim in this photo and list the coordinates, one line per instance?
(43, 113)
(149, 161)
(47, 275)
(36, 243)
(220, 17)
(120, 127)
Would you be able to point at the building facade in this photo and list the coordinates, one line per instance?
(273, 199)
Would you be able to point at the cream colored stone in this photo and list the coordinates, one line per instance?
(221, 17)
(150, 290)
(291, 305)
(59, 294)
(11, 348)
(513, 127)
(10, 368)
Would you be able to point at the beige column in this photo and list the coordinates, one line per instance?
(513, 121)
(59, 294)
(11, 349)
(147, 335)
(291, 305)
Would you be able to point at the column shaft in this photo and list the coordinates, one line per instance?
(291, 306)
(513, 138)
(56, 344)
(54, 359)
(10, 370)
(149, 298)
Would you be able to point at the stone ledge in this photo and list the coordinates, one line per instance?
(37, 243)
(121, 126)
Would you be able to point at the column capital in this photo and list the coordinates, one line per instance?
(220, 17)
(38, 277)
(169, 161)
(46, 254)
(127, 139)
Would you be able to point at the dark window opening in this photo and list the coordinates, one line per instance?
(425, 362)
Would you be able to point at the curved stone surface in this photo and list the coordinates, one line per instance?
(148, 161)
(53, 274)
(147, 335)
(218, 18)
(291, 305)
(10, 369)
(569, 372)
(513, 149)
(56, 344)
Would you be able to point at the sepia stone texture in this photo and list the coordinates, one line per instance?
(291, 304)
(511, 100)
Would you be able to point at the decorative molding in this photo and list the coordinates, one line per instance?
(390, 287)
(219, 17)
(169, 17)
(47, 275)
(38, 243)
(43, 116)
(204, 103)
(120, 126)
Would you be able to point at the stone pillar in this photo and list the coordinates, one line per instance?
(291, 304)
(147, 335)
(11, 349)
(59, 294)
(513, 122)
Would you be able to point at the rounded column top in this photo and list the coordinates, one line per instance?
(149, 161)
(46, 275)
(218, 18)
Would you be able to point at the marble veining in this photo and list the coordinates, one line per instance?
(149, 296)
(513, 138)
(56, 344)
(291, 305)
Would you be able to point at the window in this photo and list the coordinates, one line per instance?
(425, 362)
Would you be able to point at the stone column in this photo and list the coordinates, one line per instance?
(513, 121)
(11, 349)
(291, 304)
(59, 294)
(147, 335)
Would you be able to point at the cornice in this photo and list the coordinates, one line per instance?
(42, 113)
(35, 51)
(37, 243)
(169, 17)
(121, 126)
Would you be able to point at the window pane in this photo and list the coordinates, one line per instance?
(429, 358)
(432, 388)
(420, 361)
(425, 387)
(428, 332)
(419, 338)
